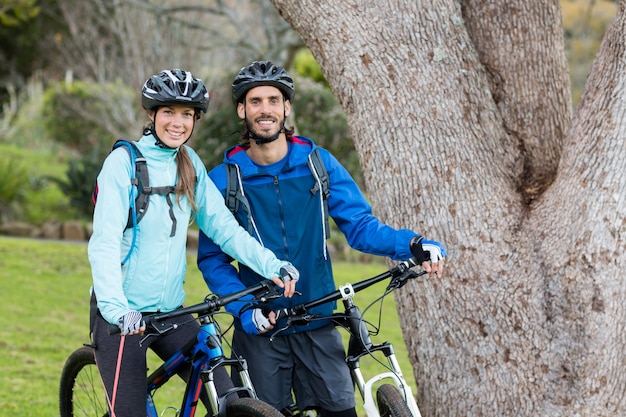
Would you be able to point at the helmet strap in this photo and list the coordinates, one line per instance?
(260, 141)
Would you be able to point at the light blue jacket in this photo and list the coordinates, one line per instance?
(152, 279)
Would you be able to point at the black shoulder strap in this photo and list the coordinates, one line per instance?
(234, 196)
(232, 187)
(142, 181)
(318, 169)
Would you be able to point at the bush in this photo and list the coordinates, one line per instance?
(78, 184)
(218, 129)
(13, 188)
(85, 116)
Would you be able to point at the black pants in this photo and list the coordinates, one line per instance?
(128, 397)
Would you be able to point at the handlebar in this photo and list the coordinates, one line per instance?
(400, 274)
(263, 291)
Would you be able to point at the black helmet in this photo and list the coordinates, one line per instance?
(174, 87)
(262, 73)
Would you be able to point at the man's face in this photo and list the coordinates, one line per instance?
(264, 111)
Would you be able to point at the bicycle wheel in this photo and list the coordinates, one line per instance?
(391, 402)
(250, 407)
(81, 393)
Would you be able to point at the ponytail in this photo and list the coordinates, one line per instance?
(186, 184)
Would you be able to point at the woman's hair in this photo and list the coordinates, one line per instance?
(186, 185)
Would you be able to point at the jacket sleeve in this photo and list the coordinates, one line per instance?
(219, 273)
(222, 237)
(353, 215)
(107, 245)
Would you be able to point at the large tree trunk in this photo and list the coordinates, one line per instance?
(462, 119)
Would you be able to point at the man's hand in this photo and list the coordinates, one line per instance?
(254, 321)
(429, 254)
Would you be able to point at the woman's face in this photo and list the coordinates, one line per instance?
(173, 124)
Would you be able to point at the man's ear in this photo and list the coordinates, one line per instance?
(287, 108)
(241, 110)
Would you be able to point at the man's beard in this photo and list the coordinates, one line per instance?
(264, 136)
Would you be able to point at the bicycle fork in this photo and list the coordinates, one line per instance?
(360, 344)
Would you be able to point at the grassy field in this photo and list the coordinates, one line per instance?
(44, 302)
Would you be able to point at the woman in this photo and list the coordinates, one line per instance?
(144, 273)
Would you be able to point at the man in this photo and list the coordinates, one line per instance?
(286, 213)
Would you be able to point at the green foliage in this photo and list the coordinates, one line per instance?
(584, 25)
(79, 181)
(13, 187)
(79, 114)
(319, 116)
(43, 200)
(219, 129)
(14, 12)
(306, 66)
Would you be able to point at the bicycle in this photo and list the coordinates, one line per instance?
(82, 394)
(392, 399)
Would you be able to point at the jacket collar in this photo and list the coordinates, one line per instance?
(299, 149)
(149, 149)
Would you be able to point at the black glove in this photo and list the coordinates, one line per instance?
(427, 250)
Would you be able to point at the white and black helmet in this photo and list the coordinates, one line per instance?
(174, 87)
(262, 73)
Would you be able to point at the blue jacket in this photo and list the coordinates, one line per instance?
(152, 279)
(288, 219)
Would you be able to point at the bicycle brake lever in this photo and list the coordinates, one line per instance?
(272, 293)
(300, 320)
(400, 280)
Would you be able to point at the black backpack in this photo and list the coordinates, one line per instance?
(141, 180)
(235, 198)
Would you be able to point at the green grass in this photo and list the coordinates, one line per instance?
(44, 303)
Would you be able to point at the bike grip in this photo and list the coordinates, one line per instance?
(114, 329)
(280, 314)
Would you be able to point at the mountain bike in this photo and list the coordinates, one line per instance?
(393, 397)
(82, 393)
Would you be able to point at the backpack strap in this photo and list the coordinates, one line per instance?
(234, 196)
(318, 169)
(141, 180)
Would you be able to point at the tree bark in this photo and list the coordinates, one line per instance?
(462, 118)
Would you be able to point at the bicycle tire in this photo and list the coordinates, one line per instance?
(250, 407)
(81, 393)
(391, 402)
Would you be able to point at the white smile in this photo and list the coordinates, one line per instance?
(175, 134)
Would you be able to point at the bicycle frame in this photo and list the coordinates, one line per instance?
(205, 354)
(360, 343)
(81, 392)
